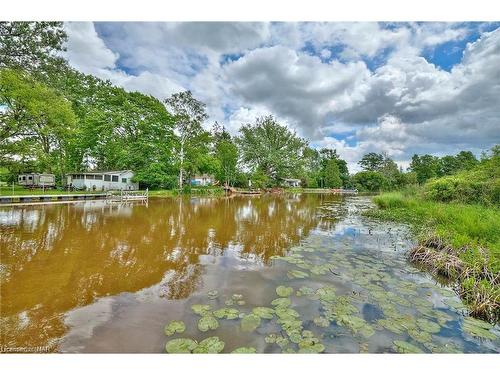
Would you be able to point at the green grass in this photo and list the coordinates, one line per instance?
(462, 226)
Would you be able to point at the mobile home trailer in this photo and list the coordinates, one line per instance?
(37, 180)
(100, 181)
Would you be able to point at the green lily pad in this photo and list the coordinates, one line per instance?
(263, 312)
(281, 302)
(241, 302)
(207, 323)
(282, 342)
(321, 321)
(326, 294)
(296, 274)
(304, 291)
(250, 322)
(456, 304)
(180, 346)
(366, 331)
(227, 313)
(428, 326)
(244, 350)
(284, 291)
(271, 338)
(202, 310)
(175, 326)
(478, 328)
(211, 345)
(406, 347)
(420, 336)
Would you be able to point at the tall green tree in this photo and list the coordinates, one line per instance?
(272, 148)
(36, 123)
(425, 167)
(226, 154)
(332, 174)
(372, 162)
(189, 114)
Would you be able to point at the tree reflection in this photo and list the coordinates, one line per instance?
(58, 257)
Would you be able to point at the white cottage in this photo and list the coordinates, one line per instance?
(100, 181)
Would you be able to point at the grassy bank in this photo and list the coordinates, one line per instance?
(460, 241)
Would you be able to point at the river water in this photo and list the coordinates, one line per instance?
(271, 274)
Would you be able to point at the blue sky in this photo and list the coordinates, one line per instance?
(400, 88)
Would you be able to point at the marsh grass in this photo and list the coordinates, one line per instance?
(459, 241)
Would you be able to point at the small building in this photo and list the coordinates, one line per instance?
(37, 180)
(291, 182)
(100, 181)
(202, 180)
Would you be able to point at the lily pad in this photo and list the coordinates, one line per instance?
(420, 336)
(304, 291)
(210, 345)
(175, 326)
(263, 312)
(207, 323)
(271, 338)
(296, 274)
(478, 328)
(281, 302)
(227, 313)
(284, 291)
(406, 347)
(428, 326)
(250, 322)
(202, 310)
(321, 322)
(244, 350)
(180, 346)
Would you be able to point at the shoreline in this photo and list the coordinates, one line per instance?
(467, 260)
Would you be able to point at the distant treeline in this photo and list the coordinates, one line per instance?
(55, 119)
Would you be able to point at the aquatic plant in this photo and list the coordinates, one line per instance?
(226, 313)
(180, 346)
(210, 345)
(296, 274)
(244, 350)
(207, 323)
(175, 326)
(202, 310)
(263, 312)
(478, 328)
(250, 322)
(284, 291)
(213, 294)
(406, 347)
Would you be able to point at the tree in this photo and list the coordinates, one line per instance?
(30, 45)
(332, 174)
(369, 181)
(372, 162)
(189, 115)
(328, 154)
(37, 123)
(425, 166)
(272, 148)
(226, 154)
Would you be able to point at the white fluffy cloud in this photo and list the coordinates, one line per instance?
(314, 77)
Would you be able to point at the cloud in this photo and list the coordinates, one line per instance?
(357, 87)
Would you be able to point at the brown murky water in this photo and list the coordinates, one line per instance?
(97, 277)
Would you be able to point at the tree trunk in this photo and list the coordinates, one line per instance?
(181, 169)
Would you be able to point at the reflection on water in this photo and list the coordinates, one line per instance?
(92, 277)
(58, 257)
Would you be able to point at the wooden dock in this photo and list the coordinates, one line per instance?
(127, 196)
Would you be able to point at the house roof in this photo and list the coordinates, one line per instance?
(292, 179)
(103, 172)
